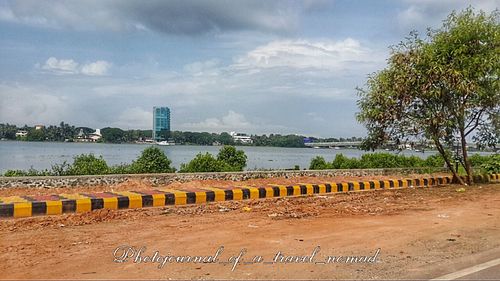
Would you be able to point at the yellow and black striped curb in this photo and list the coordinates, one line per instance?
(26, 206)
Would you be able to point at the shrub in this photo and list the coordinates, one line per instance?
(152, 160)
(204, 163)
(491, 165)
(88, 164)
(61, 169)
(121, 169)
(15, 173)
(319, 163)
(377, 160)
(236, 160)
(229, 159)
(435, 160)
(29, 173)
(342, 162)
(388, 160)
(477, 160)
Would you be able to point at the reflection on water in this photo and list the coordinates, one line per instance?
(41, 155)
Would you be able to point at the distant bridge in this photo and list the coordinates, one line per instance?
(334, 144)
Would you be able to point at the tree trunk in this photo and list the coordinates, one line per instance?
(456, 178)
(465, 156)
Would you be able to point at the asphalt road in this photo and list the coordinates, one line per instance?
(489, 270)
(492, 273)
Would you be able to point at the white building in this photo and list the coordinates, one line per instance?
(21, 133)
(241, 137)
(95, 136)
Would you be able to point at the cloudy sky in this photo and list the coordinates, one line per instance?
(220, 65)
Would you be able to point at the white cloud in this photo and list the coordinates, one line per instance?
(236, 122)
(209, 67)
(303, 54)
(231, 122)
(21, 105)
(312, 70)
(61, 66)
(134, 118)
(97, 68)
(69, 66)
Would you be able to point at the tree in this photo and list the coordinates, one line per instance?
(152, 160)
(36, 135)
(442, 88)
(226, 139)
(114, 135)
(8, 131)
(235, 159)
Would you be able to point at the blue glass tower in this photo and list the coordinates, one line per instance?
(161, 122)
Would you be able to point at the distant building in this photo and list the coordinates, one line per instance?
(95, 136)
(39, 127)
(21, 133)
(241, 138)
(161, 122)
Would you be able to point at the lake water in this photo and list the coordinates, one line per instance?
(41, 155)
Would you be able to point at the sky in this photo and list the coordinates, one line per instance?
(252, 66)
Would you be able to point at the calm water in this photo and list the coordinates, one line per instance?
(41, 155)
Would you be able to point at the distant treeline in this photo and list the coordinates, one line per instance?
(66, 132)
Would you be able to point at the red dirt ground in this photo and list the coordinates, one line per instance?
(420, 234)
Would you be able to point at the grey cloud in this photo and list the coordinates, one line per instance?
(424, 13)
(186, 17)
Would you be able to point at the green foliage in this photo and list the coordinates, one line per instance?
(152, 160)
(203, 163)
(121, 169)
(225, 139)
(229, 159)
(36, 135)
(88, 164)
(342, 162)
(114, 135)
(235, 159)
(277, 140)
(435, 160)
(8, 131)
(61, 169)
(491, 165)
(14, 173)
(29, 173)
(376, 160)
(477, 160)
(441, 88)
(319, 163)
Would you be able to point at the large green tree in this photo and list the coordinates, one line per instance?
(441, 88)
